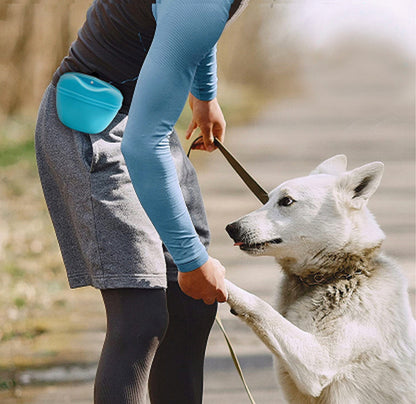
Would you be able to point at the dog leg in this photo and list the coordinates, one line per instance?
(307, 361)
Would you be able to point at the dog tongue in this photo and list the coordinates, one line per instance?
(239, 243)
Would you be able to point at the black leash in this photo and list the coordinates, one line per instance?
(252, 184)
(263, 196)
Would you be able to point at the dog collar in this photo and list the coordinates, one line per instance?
(320, 278)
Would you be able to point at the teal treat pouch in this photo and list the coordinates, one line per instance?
(86, 103)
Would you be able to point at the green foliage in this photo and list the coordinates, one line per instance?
(8, 384)
(14, 270)
(16, 141)
(12, 154)
(28, 333)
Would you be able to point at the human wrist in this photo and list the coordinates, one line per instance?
(204, 94)
(195, 263)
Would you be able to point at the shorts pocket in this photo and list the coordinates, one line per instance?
(89, 152)
(101, 151)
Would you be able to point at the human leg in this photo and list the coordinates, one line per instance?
(176, 376)
(177, 370)
(106, 239)
(136, 322)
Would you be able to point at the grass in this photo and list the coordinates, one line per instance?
(16, 141)
(13, 154)
(29, 257)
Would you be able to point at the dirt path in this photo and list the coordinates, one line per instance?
(367, 114)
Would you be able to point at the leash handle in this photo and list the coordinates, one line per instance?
(234, 357)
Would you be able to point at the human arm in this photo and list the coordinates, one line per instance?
(186, 31)
(206, 112)
(206, 115)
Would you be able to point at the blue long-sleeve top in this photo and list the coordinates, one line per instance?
(181, 59)
(158, 52)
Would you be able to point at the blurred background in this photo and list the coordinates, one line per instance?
(299, 81)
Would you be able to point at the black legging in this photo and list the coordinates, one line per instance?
(154, 338)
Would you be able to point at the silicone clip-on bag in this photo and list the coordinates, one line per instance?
(85, 103)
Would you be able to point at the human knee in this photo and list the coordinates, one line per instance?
(143, 333)
(136, 318)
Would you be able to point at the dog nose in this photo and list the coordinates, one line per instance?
(233, 230)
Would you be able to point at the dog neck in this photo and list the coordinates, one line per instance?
(327, 268)
(319, 278)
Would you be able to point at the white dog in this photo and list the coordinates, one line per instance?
(343, 332)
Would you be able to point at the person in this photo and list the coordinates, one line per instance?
(125, 203)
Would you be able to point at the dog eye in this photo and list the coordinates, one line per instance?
(286, 201)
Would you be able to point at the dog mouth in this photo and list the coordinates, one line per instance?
(257, 246)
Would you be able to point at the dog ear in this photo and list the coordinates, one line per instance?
(361, 183)
(334, 166)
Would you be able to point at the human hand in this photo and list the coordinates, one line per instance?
(206, 115)
(206, 282)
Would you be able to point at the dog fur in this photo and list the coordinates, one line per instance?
(343, 332)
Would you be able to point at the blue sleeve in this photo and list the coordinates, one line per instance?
(204, 86)
(186, 32)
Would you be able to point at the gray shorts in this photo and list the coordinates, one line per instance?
(105, 237)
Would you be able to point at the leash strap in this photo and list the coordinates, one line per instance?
(234, 357)
(252, 184)
(262, 195)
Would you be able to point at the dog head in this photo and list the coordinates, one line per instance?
(309, 218)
